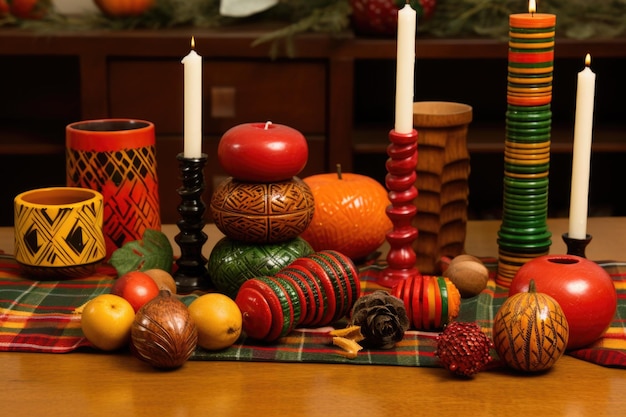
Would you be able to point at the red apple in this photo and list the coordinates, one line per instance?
(583, 289)
(262, 152)
(136, 287)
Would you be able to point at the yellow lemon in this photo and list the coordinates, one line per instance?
(218, 319)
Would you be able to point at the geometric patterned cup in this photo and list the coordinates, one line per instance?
(117, 157)
(58, 232)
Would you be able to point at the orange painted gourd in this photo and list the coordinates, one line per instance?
(530, 331)
(124, 8)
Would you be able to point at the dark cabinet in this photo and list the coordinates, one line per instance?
(338, 91)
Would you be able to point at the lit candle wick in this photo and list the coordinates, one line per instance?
(581, 157)
(193, 43)
(267, 125)
(532, 7)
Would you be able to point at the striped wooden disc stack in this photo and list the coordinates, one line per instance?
(524, 233)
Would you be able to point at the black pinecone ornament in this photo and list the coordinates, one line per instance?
(463, 348)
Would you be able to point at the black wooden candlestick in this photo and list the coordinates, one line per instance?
(576, 246)
(192, 273)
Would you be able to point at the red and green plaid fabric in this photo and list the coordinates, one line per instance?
(37, 316)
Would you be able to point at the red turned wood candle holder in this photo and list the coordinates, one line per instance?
(400, 181)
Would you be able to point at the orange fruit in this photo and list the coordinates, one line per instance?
(106, 321)
(218, 320)
(350, 214)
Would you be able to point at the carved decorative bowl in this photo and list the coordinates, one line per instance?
(262, 212)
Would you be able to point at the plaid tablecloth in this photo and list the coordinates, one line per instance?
(37, 316)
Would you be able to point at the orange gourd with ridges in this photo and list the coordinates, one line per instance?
(350, 214)
(530, 331)
(124, 8)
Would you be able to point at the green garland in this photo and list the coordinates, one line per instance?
(578, 19)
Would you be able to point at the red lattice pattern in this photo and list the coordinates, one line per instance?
(128, 181)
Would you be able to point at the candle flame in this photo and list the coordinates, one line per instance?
(588, 60)
(267, 125)
(532, 6)
(193, 43)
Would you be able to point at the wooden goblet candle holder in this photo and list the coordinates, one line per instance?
(192, 273)
(400, 181)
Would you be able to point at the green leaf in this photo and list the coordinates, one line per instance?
(152, 251)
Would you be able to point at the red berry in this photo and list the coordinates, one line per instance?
(380, 17)
(428, 8)
(463, 348)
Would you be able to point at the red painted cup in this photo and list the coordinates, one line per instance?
(117, 157)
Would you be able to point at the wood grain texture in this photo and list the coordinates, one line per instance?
(117, 384)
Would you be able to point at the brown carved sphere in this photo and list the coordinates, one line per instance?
(262, 212)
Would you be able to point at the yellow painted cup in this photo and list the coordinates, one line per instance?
(58, 232)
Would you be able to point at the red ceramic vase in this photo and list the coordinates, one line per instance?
(583, 289)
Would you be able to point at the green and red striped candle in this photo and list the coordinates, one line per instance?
(524, 233)
(531, 59)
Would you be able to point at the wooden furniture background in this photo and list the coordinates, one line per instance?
(337, 90)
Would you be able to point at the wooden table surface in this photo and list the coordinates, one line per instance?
(99, 384)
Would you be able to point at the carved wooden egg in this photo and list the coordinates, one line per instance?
(262, 212)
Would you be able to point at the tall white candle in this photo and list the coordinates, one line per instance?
(405, 71)
(193, 104)
(583, 133)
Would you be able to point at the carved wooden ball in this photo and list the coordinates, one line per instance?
(468, 274)
(262, 212)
